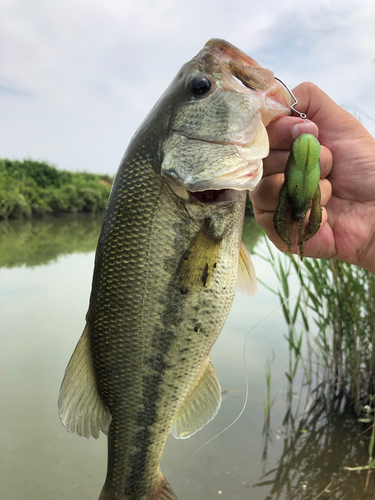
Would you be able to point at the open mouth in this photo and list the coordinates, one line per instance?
(210, 196)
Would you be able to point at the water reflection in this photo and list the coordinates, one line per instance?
(37, 242)
(318, 443)
(307, 436)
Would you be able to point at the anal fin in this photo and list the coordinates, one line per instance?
(81, 409)
(200, 405)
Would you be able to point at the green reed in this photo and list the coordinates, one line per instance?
(329, 310)
(293, 311)
(342, 298)
(337, 301)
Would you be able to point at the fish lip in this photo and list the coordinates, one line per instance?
(246, 179)
(224, 198)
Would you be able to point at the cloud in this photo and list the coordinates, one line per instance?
(79, 77)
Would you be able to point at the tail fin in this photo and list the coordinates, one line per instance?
(162, 492)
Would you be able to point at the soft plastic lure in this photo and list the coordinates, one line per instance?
(299, 190)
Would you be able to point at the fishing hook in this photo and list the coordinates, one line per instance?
(302, 115)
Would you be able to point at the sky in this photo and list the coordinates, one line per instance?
(77, 77)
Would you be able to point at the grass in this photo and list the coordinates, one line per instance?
(29, 188)
(342, 298)
(338, 301)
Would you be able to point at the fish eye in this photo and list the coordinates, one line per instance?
(200, 85)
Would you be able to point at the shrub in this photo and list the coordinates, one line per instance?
(30, 187)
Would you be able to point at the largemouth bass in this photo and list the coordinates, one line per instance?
(167, 264)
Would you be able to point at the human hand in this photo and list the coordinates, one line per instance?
(347, 179)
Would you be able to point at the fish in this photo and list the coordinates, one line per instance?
(168, 262)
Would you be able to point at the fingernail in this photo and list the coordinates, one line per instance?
(304, 127)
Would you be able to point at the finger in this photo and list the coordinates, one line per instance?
(265, 219)
(326, 162)
(314, 102)
(276, 161)
(281, 132)
(326, 192)
(320, 108)
(266, 197)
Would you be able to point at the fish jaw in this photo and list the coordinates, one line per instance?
(197, 166)
(218, 140)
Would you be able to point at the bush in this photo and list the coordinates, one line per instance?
(30, 187)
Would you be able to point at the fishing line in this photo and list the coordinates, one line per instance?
(303, 116)
(245, 366)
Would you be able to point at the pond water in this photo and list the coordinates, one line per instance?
(295, 452)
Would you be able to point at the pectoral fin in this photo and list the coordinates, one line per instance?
(200, 405)
(80, 408)
(198, 265)
(247, 283)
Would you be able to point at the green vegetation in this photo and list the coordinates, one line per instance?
(31, 187)
(341, 301)
(318, 440)
(251, 232)
(36, 188)
(342, 298)
(330, 320)
(249, 206)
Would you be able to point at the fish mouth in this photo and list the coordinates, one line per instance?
(240, 70)
(215, 198)
(220, 198)
(210, 196)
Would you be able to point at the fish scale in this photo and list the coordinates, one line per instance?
(155, 327)
(166, 270)
(122, 355)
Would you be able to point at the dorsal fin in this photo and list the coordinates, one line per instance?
(200, 405)
(80, 408)
(247, 282)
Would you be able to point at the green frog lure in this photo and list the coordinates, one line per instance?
(300, 190)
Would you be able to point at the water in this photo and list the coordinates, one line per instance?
(45, 279)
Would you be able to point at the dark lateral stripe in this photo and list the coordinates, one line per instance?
(161, 343)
